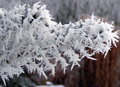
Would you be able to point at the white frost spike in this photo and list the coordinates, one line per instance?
(29, 37)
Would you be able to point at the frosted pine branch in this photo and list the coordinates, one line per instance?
(29, 38)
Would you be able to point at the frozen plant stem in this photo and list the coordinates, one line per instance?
(29, 38)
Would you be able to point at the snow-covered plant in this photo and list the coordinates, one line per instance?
(30, 39)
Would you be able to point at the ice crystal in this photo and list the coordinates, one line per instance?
(30, 38)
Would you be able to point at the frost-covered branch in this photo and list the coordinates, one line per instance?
(29, 38)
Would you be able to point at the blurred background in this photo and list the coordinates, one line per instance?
(105, 72)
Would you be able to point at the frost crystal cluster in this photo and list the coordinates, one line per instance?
(30, 39)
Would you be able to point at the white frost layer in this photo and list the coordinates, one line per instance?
(30, 39)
